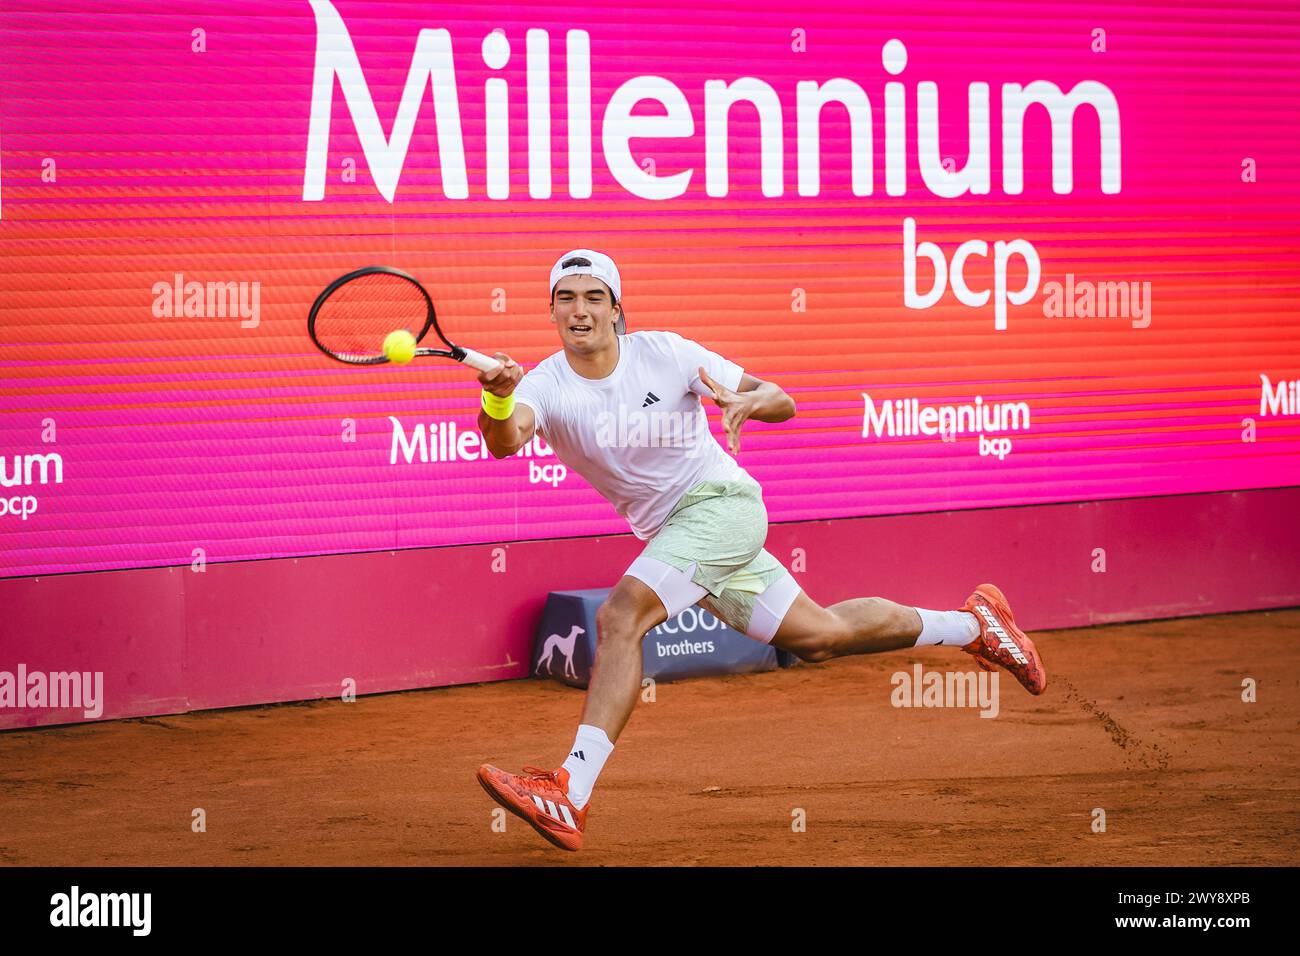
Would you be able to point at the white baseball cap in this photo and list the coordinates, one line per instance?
(587, 262)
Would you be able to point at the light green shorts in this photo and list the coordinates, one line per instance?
(713, 538)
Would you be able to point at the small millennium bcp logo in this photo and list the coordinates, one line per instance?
(1282, 399)
(906, 417)
(28, 470)
(76, 908)
(444, 443)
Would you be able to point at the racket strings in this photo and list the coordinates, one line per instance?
(354, 320)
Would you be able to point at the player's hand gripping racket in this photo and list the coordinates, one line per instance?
(351, 318)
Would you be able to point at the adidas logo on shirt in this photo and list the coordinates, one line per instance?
(650, 399)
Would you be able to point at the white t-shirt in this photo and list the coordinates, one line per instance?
(640, 435)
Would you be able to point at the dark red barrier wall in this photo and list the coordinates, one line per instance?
(172, 639)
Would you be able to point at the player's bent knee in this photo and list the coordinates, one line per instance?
(625, 618)
(814, 634)
(814, 651)
(810, 647)
(615, 623)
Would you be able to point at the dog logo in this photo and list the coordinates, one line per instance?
(565, 647)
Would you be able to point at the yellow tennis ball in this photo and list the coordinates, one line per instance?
(399, 346)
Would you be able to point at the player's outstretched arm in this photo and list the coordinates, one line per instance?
(771, 403)
(765, 401)
(505, 436)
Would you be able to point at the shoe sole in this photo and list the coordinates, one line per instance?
(994, 595)
(510, 805)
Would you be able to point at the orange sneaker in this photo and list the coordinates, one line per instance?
(540, 797)
(1000, 642)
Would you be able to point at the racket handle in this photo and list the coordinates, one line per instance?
(479, 361)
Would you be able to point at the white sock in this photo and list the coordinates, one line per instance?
(591, 748)
(951, 628)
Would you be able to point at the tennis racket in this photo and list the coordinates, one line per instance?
(351, 318)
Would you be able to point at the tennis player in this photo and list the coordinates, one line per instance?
(596, 403)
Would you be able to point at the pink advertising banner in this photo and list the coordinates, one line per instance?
(999, 253)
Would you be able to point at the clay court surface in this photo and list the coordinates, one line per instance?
(1145, 721)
